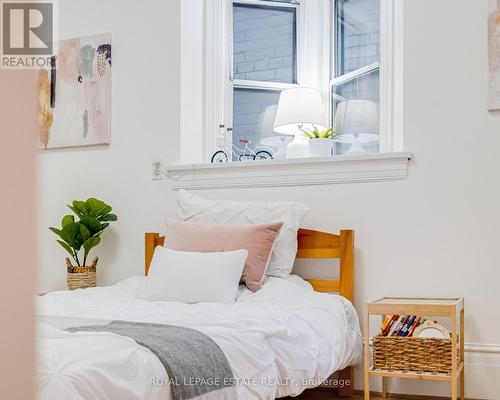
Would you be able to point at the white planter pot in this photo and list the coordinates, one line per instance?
(320, 147)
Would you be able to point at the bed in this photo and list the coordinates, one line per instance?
(287, 337)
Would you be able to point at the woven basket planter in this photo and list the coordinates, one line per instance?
(412, 354)
(81, 277)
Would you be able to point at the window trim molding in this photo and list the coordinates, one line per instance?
(379, 167)
(216, 71)
(248, 84)
(391, 75)
(267, 3)
(357, 73)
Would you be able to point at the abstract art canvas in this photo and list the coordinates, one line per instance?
(494, 55)
(75, 94)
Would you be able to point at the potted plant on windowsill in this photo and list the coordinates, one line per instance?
(93, 217)
(321, 142)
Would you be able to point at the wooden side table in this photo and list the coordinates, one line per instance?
(452, 308)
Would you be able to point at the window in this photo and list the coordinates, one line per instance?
(264, 63)
(349, 49)
(355, 88)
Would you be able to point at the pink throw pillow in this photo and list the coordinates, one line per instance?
(209, 238)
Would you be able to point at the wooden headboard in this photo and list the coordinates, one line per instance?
(312, 244)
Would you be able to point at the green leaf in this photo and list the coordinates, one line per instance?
(105, 210)
(91, 243)
(67, 219)
(67, 248)
(69, 234)
(56, 231)
(307, 133)
(81, 236)
(108, 217)
(326, 134)
(75, 234)
(78, 208)
(74, 210)
(92, 224)
(90, 207)
(96, 208)
(84, 232)
(316, 132)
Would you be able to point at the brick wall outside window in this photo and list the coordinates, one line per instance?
(263, 44)
(264, 50)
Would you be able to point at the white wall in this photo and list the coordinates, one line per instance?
(435, 233)
(145, 125)
(191, 117)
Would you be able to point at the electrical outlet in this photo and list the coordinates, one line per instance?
(157, 167)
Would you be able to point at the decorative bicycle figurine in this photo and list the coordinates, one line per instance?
(245, 154)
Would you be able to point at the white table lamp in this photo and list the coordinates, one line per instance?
(358, 123)
(299, 108)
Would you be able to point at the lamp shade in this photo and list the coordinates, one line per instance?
(357, 117)
(299, 107)
(266, 121)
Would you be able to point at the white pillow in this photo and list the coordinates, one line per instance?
(198, 209)
(188, 277)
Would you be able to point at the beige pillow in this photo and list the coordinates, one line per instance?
(258, 240)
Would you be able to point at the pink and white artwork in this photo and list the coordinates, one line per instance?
(494, 55)
(75, 95)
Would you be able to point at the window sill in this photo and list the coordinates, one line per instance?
(294, 172)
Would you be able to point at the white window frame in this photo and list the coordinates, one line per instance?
(391, 76)
(350, 76)
(389, 65)
(218, 69)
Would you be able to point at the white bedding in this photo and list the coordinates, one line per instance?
(278, 341)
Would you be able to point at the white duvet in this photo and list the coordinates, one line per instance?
(279, 341)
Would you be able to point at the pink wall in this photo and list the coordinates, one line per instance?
(18, 127)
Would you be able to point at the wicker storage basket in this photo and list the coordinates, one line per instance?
(81, 277)
(411, 354)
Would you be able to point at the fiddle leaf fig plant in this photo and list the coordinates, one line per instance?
(93, 217)
(315, 133)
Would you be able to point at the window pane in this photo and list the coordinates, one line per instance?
(264, 43)
(253, 115)
(356, 111)
(357, 28)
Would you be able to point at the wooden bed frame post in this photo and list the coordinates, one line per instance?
(347, 265)
(149, 245)
(151, 240)
(347, 290)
